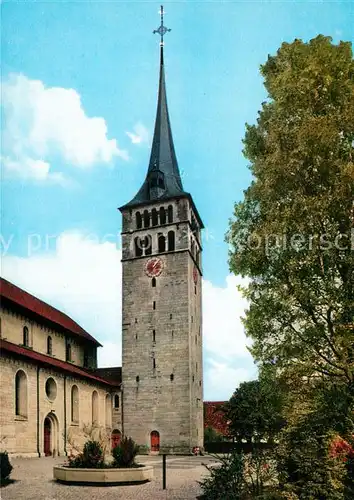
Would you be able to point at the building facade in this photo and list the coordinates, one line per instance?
(162, 372)
(50, 388)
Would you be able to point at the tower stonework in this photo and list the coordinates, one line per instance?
(162, 366)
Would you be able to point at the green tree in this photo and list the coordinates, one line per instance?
(292, 233)
(255, 409)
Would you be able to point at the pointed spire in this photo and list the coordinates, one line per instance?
(163, 179)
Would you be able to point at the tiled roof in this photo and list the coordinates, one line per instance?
(113, 373)
(42, 310)
(42, 359)
(214, 417)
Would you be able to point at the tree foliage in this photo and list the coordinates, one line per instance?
(255, 410)
(293, 232)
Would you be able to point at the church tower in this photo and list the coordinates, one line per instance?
(162, 371)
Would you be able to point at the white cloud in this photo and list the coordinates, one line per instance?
(43, 122)
(37, 170)
(83, 278)
(221, 380)
(139, 135)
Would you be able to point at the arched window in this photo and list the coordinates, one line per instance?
(116, 401)
(138, 248)
(154, 217)
(21, 394)
(171, 240)
(161, 240)
(148, 244)
(108, 410)
(155, 441)
(25, 336)
(162, 216)
(170, 213)
(139, 220)
(68, 352)
(49, 345)
(94, 408)
(74, 404)
(153, 282)
(146, 218)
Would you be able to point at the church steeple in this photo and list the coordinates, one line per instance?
(163, 179)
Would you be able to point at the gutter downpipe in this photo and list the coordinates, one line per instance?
(38, 450)
(65, 451)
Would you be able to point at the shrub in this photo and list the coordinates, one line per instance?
(5, 467)
(225, 480)
(92, 457)
(124, 454)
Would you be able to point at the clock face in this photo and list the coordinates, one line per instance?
(153, 267)
(195, 275)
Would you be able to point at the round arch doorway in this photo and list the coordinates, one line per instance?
(51, 436)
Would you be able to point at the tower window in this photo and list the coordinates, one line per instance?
(138, 247)
(170, 213)
(154, 363)
(136, 336)
(138, 220)
(193, 378)
(195, 290)
(171, 316)
(172, 333)
(154, 217)
(116, 401)
(171, 241)
(137, 378)
(172, 377)
(162, 215)
(146, 218)
(136, 320)
(154, 335)
(25, 336)
(161, 243)
(146, 243)
(153, 282)
(154, 305)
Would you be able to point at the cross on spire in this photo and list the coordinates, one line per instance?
(161, 30)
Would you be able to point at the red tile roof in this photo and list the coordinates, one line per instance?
(214, 417)
(36, 306)
(39, 358)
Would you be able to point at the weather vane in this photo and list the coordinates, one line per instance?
(162, 30)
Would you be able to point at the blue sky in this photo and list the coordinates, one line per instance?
(65, 175)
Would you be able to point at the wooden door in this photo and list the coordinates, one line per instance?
(115, 438)
(155, 441)
(47, 437)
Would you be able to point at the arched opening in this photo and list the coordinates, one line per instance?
(116, 401)
(49, 345)
(171, 240)
(108, 410)
(94, 408)
(116, 436)
(154, 217)
(146, 218)
(51, 435)
(162, 215)
(147, 244)
(21, 394)
(155, 441)
(25, 336)
(138, 220)
(170, 213)
(161, 242)
(74, 404)
(138, 247)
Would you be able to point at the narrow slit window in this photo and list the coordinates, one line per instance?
(154, 363)
(154, 335)
(172, 377)
(137, 378)
(154, 305)
(153, 282)
(139, 221)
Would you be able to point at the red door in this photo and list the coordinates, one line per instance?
(115, 438)
(155, 441)
(47, 430)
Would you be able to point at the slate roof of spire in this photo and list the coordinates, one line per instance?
(163, 156)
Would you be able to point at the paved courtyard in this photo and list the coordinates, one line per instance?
(33, 480)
